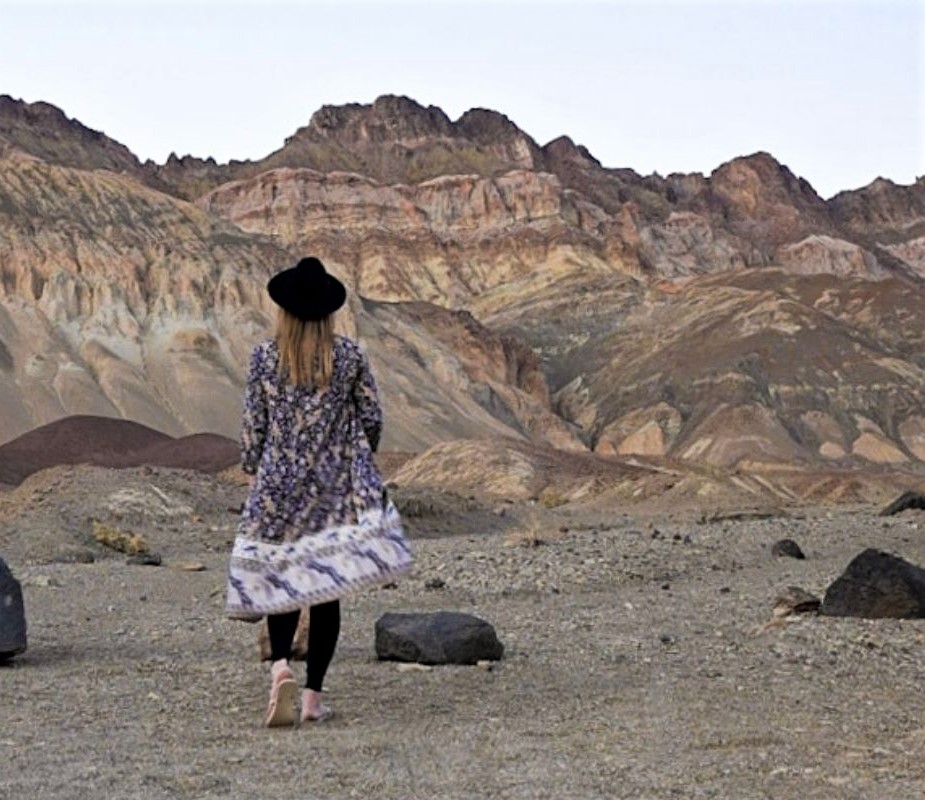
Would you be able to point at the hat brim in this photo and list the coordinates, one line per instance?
(309, 300)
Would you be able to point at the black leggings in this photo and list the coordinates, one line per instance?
(323, 630)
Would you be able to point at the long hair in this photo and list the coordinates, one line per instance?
(306, 349)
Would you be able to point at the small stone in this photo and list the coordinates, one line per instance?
(787, 548)
(485, 664)
(724, 590)
(414, 667)
(794, 600)
(189, 566)
(144, 560)
(435, 583)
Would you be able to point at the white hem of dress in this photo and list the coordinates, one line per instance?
(267, 578)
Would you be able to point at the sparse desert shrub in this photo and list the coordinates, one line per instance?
(110, 536)
(530, 534)
(550, 498)
(415, 507)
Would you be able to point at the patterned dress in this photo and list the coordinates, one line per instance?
(318, 523)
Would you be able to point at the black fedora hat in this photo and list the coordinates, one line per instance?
(307, 290)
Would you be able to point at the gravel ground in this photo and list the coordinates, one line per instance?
(637, 664)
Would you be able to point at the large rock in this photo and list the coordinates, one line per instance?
(444, 637)
(12, 615)
(905, 501)
(877, 584)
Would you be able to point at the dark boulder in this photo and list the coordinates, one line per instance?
(904, 501)
(788, 548)
(12, 615)
(877, 584)
(444, 637)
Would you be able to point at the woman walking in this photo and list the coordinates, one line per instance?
(317, 523)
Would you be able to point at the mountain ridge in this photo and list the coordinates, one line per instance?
(504, 289)
(481, 123)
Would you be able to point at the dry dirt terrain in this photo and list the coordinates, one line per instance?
(637, 662)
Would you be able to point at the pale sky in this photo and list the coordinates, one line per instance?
(835, 90)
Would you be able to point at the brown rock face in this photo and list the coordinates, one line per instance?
(764, 202)
(446, 241)
(118, 300)
(122, 301)
(755, 367)
(889, 216)
(503, 289)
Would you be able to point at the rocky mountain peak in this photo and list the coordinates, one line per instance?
(485, 125)
(389, 118)
(564, 149)
(763, 169)
(44, 131)
(881, 205)
(173, 160)
(761, 198)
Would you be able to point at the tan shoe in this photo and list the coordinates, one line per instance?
(283, 691)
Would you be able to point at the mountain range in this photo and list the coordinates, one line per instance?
(503, 288)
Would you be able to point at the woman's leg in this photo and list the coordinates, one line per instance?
(281, 628)
(323, 630)
(283, 688)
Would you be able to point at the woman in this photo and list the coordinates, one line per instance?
(317, 523)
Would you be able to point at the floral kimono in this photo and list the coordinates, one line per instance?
(318, 523)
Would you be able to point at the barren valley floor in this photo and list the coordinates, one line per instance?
(637, 665)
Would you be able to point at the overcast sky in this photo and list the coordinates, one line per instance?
(835, 90)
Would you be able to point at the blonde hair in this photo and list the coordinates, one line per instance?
(306, 349)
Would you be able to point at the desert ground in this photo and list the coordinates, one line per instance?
(638, 659)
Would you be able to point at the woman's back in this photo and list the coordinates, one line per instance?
(312, 447)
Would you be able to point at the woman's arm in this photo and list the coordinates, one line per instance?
(254, 421)
(366, 397)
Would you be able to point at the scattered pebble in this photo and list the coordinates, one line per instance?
(414, 667)
(189, 566)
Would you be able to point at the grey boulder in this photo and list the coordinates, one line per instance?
(12, 615)
(443, 637)
(877, 584)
